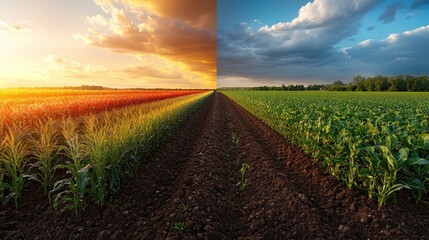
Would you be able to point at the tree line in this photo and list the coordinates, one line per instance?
(400, 83)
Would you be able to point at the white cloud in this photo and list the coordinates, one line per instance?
(97, 20)
(305, 48)
(366, 42)
(395, 52)
(16, 27)
(321, 13)
(287, 49)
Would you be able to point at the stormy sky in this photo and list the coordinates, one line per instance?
(307, 42)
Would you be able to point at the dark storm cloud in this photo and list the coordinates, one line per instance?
(301, 49)
(389, 13)
(399, 53)
(419, 3)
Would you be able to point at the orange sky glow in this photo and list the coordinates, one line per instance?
(113, 43)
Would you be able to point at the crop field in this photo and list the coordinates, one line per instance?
(26, 105)
(167, 164)
(375, 141)
(80, 145)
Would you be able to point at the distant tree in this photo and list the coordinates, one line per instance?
(369, 84)
(401, 83)
(351, 87)
(421, 83)
(411, 83)
(315, 87)
(336, 86)
(359, 83)
(380, 83)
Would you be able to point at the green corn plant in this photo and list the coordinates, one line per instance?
(234, 138)
(97, 148)
(15, 155)
(369, 173)
(124, 147)
(353, 165)
(321, 122)
(242, 185)
(46, 150)
(416, 176)
(115, 172)
(390, 165)
(71, 191)
(179, 226)
(419, 174)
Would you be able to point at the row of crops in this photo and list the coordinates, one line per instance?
(85, 159)
(25, 105)
(375, 141)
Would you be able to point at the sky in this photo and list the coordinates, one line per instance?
(113, 43)
(209, 43)
(315, 42)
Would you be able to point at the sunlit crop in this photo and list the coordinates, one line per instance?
(80, 145)
(29, 105)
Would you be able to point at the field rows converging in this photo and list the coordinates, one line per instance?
(378, 142)
(29, 105)
(75, 157)
(214, 119)
(204, 166)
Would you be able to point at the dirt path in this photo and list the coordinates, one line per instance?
(190, 185)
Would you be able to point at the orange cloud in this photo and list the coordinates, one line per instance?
(182, 31)
(65, 67)
(152, 71)
(197, 13)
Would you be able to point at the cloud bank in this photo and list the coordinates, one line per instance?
(183, 32)
(304, 50)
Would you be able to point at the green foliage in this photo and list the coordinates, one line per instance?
(234, 138)
(45, 150)
(375, 141)
(179, 226)
(242, 185)
(14, 157)
(97, 148)
(104, 149)
(400, 83)
(95, 152)
(72, 190)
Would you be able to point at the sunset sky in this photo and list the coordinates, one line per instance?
(305, 42)
(114, 43)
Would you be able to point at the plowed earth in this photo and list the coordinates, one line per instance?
(187, 190)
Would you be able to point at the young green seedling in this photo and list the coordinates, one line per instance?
(235, 139)
(243, 183)
(179, 226)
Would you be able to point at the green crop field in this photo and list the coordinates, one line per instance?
(371, 140)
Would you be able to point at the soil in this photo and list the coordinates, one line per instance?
(187, 190)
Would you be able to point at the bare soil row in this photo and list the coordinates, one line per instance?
(187, 190)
